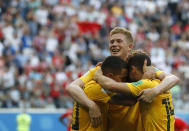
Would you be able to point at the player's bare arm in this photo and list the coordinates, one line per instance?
(168, 82)
(74, 88)
(76, 92)
(110, 84)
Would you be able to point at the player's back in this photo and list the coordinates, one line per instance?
(158, 115)
(124, 118)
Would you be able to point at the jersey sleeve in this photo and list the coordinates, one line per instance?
(137, 87)
(96, 93)
(158, 72)
(88, 75)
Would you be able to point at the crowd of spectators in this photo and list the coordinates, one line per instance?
(45, 44)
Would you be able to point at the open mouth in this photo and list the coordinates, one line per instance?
(115, 50)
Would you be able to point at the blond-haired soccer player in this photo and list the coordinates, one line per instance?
(115, 68)
(121, 43)
(156, 116)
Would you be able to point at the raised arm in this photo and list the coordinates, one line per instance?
(76, 92)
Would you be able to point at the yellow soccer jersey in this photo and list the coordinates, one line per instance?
(80, 119)
(89, 75)
(124, 118)
(121, 117)
(158, 115)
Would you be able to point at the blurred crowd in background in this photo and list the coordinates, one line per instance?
(46, 44)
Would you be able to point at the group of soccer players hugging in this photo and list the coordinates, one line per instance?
(123, 93)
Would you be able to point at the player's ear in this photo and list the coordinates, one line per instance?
(110, 75)
(133, 68)
(145, 66)
(131, 46)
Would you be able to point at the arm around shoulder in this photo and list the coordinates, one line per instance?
(76, 92)
(168, 82)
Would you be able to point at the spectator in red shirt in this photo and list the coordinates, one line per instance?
(68, 115)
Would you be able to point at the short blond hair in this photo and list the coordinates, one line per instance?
(127, 33)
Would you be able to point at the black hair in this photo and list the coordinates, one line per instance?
(114, 65)
(137, 59)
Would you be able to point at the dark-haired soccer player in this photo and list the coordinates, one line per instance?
(156, 116)
(114, 68)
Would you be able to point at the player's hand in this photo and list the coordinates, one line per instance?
(95, 115)
(149, 71)
(147, 95)
(99, 64)
(97, 74)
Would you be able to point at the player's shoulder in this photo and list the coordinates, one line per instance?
(158, 71)
(156, 80)
(92, 70)
(148, 80)
(95, 68)
(91, 84)
(140, 82)
(143, 82)
(93, 89)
